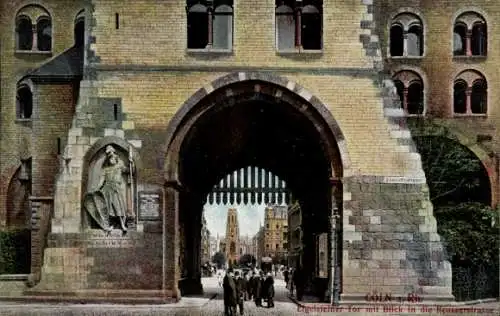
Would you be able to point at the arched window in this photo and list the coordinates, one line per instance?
(299, 25)
(406, 36)
(479, 97)
(197, 26)
(24, 33)
(410, 89)
(311, 28)
(459, 97)
(397, 40)
(415, 98)
(33, 29)
(478, 39)
(285, 27)
(44, 34)
(414, 39)
(24, 100)
(472, 29)
(210, 24)
(470, 92)
(459, 35)
(79, 31)
(223, 27)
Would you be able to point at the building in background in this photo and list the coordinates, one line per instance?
(232, 238)
(214, 245)
(272, 237)
(295, 234)
(205, 241)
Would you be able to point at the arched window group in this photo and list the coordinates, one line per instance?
(33, 29)
(470, 35)
(24, 100)
(299, 24)
(210, 24)
(470, 93)
(406, 36)
(410, 89)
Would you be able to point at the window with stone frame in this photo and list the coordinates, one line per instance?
(33, 29)
(470, 94)
(410, 88)
(209, 24)
(299, 24)
(470, 35)
(406, 36)
(24, 101)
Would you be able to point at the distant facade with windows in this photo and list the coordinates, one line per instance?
(273, 235)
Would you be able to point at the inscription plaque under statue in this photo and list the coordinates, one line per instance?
(149, 206)
(114, 239)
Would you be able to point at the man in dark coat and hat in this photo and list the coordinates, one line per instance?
(230, 295)
(240, 290)
(257, 290)
(269, 286)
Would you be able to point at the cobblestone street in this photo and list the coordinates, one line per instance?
(212, 304)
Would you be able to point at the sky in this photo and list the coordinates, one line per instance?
(249, 218)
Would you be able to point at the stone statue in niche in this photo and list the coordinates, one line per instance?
(110, 203)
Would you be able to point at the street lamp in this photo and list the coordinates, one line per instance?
(335, 273)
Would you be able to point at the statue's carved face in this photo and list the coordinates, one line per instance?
(113, 159)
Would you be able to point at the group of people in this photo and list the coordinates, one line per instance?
(240, 288)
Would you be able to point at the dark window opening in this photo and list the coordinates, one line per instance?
(415, 99)
(197, 24)
(79, 33)
(479, 97)
(25, 102)
(396, 38)
(24, 34)
(117, 21)
(400, 88)
(478, 40)
(415, 41)
(58, 145)
(44, 34)
(115, 111)
(459, 42)
(460, 97)
(311, 28)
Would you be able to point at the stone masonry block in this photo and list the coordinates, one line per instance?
(93, 140)
(72, 140)
(352, 236)
(82, 140)
(137, 143)
(374, 219)
(109, 132)
(75, 131)
(120, 133)
(128, 125)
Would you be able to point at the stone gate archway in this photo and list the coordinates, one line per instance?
(238, 120)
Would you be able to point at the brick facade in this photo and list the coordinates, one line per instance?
(141, 87)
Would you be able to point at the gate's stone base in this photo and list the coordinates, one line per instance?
(390, 244)
(94, 267)
(190, 286)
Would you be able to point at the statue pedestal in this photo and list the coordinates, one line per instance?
(94, 266)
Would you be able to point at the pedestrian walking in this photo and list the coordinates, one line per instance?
(230, 295)
(240, 290)
(257, 290)
(219, 278)
(269, 286)
(285, 276)
(299, 282)
(248, 286)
